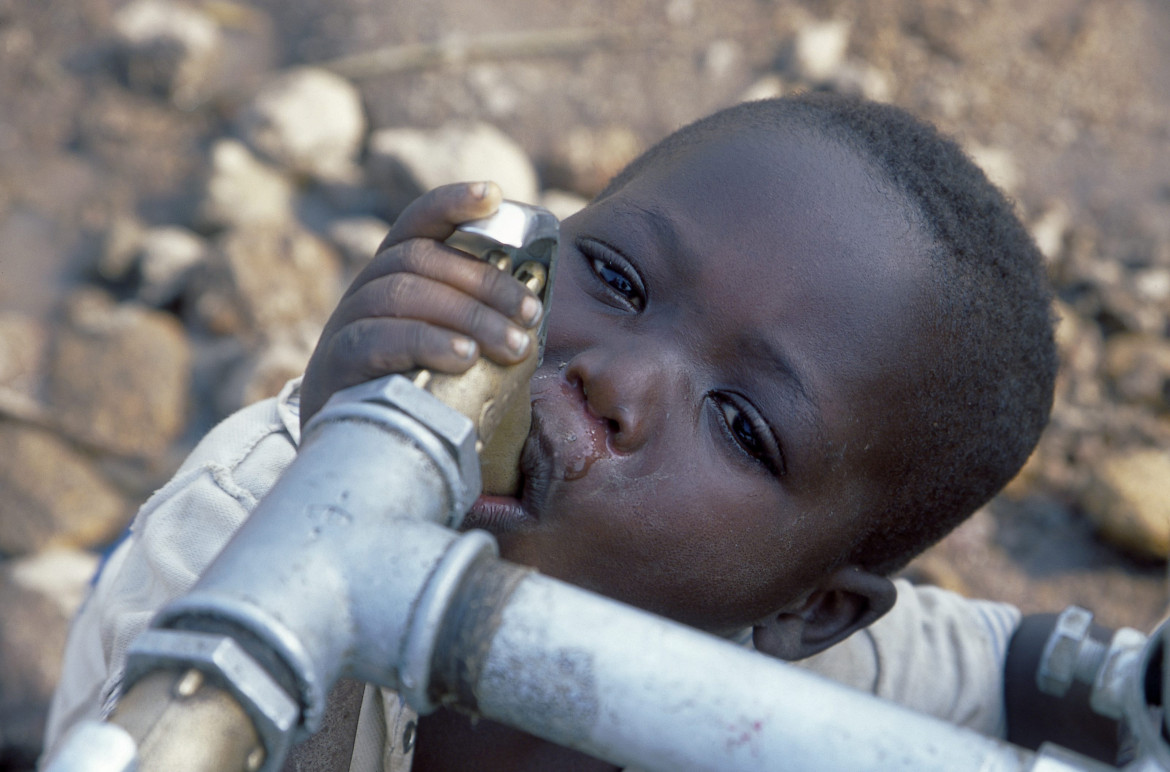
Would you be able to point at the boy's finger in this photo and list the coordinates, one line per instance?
(435, 214)
(475, 278)
(370, 348)
(411, 296)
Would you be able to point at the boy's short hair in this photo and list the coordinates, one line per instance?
(977, 411)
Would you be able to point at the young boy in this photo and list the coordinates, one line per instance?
(791, 346)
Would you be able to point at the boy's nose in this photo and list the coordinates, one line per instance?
(627, 390)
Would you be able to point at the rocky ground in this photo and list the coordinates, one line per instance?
(181, 200)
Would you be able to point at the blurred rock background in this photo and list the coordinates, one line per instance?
(185, 187)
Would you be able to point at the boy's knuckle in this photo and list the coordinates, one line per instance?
(505, 291)
(418, 339)
(413, 255)
(396, 291)
(346, 344)
(477, 317)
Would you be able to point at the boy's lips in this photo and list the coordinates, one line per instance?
(508, 514)
(564, 442)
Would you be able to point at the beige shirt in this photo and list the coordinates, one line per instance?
(935, 651)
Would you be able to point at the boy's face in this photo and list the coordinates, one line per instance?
(718, 399)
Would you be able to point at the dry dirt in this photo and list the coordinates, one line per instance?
(1075, 92)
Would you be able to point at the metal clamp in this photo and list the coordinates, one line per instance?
(434, 603)
(449, 438)
(274, 713)
(1070, 653)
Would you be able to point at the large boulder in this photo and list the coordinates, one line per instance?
(23, 340)
(407, 162)
(309, 121)
(357, 238)
(168, 48)
(243, 190)
(52, 494)
(585, 159)
(1138, 365)
(263, 281)
(1127, 500)
(119, 376)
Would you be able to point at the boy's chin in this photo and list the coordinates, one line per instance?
(498, 515)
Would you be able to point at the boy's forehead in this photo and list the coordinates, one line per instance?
(754, 195)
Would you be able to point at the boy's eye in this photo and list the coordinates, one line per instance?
(613, 278)
(615, 272)
(750, 433)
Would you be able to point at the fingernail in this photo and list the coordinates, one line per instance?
(517, 341)
(463, 347)
(478, 189)
(530, 309)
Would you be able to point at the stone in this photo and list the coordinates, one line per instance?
(39, 595)
(1126, 500)
(166, 261)
(586, 159)
(407, 162)
(819, 49)
(722, 60)
(262, 281)
(562, 203)
(119, 376)
(52, 494)
(242, 190)
(863, 80)
(357, 238)
(1050, 229)
(309, 121)
(23, 342)
(168, 48)
(999, 165)
(1081, 348)
(1138, 365)
(121, 246)
(768, 87)
(1153, 285)
(264, 374)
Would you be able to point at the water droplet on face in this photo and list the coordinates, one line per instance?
(581, 453)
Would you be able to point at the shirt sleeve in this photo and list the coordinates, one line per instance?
(936, 652)
(175, 535)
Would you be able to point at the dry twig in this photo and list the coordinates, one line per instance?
(457, 50)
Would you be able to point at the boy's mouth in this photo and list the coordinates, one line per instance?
(509, 514)
(563, 443)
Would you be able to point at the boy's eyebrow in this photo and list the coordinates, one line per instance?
(763, 349)
(662, 226)
(763, 354)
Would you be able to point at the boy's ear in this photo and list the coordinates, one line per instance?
(849, 599)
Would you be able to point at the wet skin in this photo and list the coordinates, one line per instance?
(730, 336)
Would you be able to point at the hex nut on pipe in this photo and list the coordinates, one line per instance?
(1058, 662)
(273, 712)
(1121, 664)
(453, 430)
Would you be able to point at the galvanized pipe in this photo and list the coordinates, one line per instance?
(637, 690)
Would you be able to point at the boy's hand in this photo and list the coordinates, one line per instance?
(422, 304)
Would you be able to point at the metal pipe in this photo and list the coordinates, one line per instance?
(589, 673)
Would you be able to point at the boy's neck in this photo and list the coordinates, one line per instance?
(450, 742)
